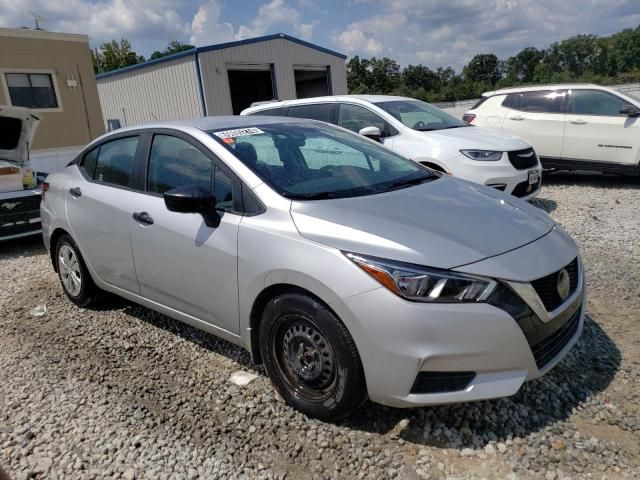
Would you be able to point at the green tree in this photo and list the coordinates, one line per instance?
(384, 75)
(625, 49)
(174, 46)
(113, 55)
(483, 68)
(581, 54)
(418, 76)
(358, 75)
(522, 66)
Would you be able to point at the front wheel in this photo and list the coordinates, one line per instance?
(310, 357)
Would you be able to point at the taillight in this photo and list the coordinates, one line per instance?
(468, 118)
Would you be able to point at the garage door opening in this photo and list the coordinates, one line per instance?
(312, 83)
(248, 86)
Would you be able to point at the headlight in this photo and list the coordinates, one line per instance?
(424, 284)
(482, 155)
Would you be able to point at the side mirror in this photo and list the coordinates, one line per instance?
(191, 199)
(370, 132)
(629, 110)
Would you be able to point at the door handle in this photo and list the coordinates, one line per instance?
(143, 217)
(518, 119)
(578, 122)
(75, 192)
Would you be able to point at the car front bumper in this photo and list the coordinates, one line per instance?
(501, 175)
(398, 339)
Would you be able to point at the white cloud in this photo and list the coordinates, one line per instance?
(274, 13)
(356, 41)
(450, 32)
(367, 36)
(305, 30)
(153, 21)
(206, 28)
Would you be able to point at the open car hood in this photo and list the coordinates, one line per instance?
(18, 126)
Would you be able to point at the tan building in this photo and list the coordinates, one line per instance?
(52, 74)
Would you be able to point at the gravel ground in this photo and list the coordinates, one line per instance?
(123, 392)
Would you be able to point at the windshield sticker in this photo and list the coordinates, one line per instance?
(238, 132)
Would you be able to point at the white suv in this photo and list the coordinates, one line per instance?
(427, 135)
(572, 127)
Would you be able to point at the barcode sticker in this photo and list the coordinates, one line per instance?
(238, 132)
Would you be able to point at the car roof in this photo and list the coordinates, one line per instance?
(219, 122)
(532, 88)
(327, 98)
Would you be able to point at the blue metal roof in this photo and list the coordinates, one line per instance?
(220, 46)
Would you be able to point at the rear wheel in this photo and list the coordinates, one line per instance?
(72, 271)
(310, 357)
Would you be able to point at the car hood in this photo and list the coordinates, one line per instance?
(18, 127)
(477, 138)
(444, 223)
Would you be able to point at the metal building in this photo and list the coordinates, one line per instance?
(220, 80)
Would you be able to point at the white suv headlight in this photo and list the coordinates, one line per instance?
(482, 155)
(423, 284)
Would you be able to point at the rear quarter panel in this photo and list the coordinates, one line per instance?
(491, 113)
(52, 209)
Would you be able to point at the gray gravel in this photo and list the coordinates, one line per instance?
(123, 392)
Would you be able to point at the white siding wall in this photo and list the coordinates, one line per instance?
(284, 54)
(164, 91)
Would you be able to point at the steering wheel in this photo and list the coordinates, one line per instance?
(419, 124)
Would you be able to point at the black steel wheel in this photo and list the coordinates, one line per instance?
(310, 357)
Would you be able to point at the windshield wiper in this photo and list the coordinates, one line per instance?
(410, 182)
(311, 196)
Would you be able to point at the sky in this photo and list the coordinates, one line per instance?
(431, 32)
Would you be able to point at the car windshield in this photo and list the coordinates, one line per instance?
(420, 115)
(634, 96)
(312, 161)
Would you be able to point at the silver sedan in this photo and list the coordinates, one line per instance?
(347, 270)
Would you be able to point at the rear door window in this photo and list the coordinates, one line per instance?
(111, 162)
(90, 162)
(271, 112)
(542, 101)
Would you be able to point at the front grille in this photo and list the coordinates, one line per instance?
(19, 205)
(522, 159)
(547, 287)
(525, 188)
(442, 382)
(547, 349)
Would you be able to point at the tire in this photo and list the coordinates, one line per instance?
(296, 331)
(73, 274)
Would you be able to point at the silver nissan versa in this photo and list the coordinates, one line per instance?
(347, 270)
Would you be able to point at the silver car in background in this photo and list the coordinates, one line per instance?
(347, 270)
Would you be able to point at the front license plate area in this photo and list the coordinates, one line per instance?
(534, 177)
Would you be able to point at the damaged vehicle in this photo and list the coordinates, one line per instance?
(347, 270)
(19, 191)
